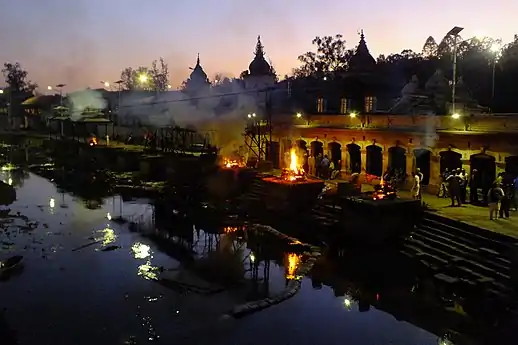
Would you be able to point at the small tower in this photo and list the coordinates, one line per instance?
(260, 73)
(198, 80)
(362, 60)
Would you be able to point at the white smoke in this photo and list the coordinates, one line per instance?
(220, 111)
(80, 101)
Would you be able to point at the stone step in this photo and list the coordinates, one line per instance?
(495, 262)
(436, 258)
(461, 256)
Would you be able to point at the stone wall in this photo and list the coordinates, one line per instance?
(425, 141)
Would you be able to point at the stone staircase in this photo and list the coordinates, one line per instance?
(458, 253)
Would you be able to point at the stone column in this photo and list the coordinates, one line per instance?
(385, 160)
(345, 161)
(364, 160)
(434, 170)
(410, 162)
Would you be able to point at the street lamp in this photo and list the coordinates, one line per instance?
(455, 116)
(352, 115)
(299, 115)
(105, 83)
(49, 88)
(455, 34)
(251, 115)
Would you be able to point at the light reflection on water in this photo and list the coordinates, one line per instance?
(260, 266)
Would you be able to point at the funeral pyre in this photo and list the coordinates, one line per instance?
(384, 191)
(295, 172)
(230, 163)
(92, 141)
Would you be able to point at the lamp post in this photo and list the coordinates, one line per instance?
(60, 88)
(455, 34)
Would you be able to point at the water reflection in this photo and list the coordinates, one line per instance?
(108, 236)
(293, 262)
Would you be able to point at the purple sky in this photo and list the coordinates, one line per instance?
(80, 43)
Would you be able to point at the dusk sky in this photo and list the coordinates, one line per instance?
(80, 43)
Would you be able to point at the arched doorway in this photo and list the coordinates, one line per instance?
(422, 162)
(374, 162)
(335, 151)
(317, 148)
(511, 165)
(354, 163)
(486, 167)
(397, 159)
(302, 145)
(450, 160)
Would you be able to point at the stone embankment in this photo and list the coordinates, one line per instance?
(309, 258)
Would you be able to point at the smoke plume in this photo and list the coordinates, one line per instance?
(80, 101)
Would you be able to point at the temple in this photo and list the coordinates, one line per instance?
(198, 81)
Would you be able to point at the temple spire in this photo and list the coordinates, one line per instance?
(198, 60)
(259, 48)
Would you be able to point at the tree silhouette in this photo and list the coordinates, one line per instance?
(430, 48)
(331, 56)
(16, 78)
(159, 73)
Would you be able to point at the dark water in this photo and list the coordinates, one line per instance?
(77, 288)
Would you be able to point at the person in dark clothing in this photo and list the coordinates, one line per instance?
(318, 164)
(454, 188)
(325, 167)
(505, 203)
(473, 187)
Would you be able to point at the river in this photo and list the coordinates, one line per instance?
(87, 279)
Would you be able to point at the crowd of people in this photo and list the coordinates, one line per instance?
(500, 195)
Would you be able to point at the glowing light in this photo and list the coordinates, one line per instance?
(49, 88)
(252, 257)
(10, 181)
(143, 78)
(230, 229)
(169, 86)
(299, 115)
(353, 115)
(106, 84)
(292, 265)
(52, 203)
(347, 302)
(109, 236)
(141, 251)
(455, 116)
(1, 92)
(495, 48)
(108, 216)
(147, 271)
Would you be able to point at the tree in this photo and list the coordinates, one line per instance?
(128, 77)
(159, 72)
(16, 78)
(331, 55)
(430, 48)
(243, 74)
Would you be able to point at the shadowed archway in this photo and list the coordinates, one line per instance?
(422, 162)
(450, 160)
(354, 158)
(397, 159)
(317, 147)
(511, 165)
(374, 162)
(335, 152)
(486, 167)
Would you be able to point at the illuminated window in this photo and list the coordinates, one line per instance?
(370, 104)
(321, 105)
(343, 106)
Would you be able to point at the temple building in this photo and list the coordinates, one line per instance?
(260, 74)
(198, 82)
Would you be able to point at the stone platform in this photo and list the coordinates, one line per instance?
(290, 196)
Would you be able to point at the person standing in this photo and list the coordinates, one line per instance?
(318, 165)
(325, 167)
(514, 194)
(463, 185)
(505, 202)
(454, 188)
(494, 196)
(416, 188)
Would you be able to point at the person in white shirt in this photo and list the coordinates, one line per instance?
(416, 188)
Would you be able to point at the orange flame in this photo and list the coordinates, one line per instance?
(294, 172)
(293, 262)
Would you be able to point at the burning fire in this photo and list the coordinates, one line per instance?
(293, 262)
(93, 141)
(295, 172)
(230, 229)
(383, 191)
(231, 163)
